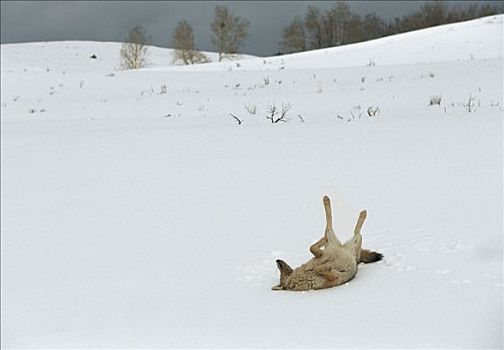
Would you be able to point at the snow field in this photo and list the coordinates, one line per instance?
(134, 216)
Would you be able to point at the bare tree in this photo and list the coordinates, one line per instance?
(354, 29)
(434, 13)
(183, 43)
(372, 27)
(229, 32)
(293, 37)
(313, 25)
(134, 50)
(335, 24)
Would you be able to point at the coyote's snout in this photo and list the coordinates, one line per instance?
(333, 263)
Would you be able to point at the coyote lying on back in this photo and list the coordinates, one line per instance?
(333, 263)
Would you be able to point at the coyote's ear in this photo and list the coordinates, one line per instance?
(284, 268)
(285, 272)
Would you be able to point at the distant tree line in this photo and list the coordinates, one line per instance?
(317, 29)
(339, 25)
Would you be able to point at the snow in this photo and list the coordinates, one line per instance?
(140, 216)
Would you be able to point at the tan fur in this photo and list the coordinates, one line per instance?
(333, 263)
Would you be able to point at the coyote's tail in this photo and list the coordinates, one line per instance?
(368, 256)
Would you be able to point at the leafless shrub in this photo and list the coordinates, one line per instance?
(371, 63)
(149, 92)
(266, 80)
(373, 111)
(435, 100)
(470, 104)
(353, 115)
(285, 109)
(236, 118)
(163, 90)
(272, 112)
(252, 109)
(169, 115)
(276, 115)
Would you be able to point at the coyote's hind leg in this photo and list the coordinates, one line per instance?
(330, 276)
(329, 236)
(329, 232)
(360, 222)
(354, 244)
(326, 271)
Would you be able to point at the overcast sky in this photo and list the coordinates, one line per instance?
(111, 20)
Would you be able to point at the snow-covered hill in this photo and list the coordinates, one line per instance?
(137, 212)
(71, 56)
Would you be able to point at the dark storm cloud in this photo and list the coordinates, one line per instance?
(111, 20)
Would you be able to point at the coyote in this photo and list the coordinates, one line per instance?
(333, 263)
